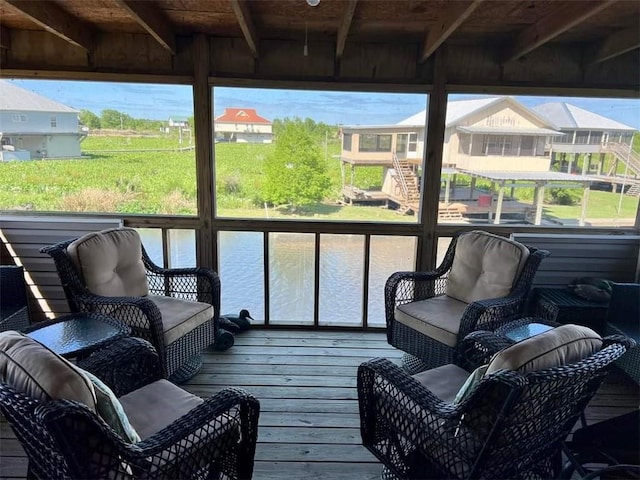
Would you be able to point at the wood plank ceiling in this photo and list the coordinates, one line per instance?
(596, 30)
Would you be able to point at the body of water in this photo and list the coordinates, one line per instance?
(290, 273)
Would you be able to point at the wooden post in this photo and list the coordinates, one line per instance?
(539, 199)
(585, 201)
(447, 187)
(496, 219)
(206, 244)
(427, 249)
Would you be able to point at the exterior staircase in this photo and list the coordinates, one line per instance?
(629, 157)
(634, 190)
(408, 182)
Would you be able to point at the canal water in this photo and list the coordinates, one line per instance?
(289, 273)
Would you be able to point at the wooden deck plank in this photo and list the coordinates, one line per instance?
(309, 420)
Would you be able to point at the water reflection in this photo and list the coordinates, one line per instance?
(292, 273)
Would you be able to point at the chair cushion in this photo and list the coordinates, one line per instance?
(156, 405)
(560, 346)
(110, 262)
(111, 411)
(485, 266)
(437, 318)
(33, 369)
(179, 317)
(444, 381)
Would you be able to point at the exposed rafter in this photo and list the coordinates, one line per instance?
(57, 21)
(616, 44)
(449, 21)
(152, 21)
(565, 17)
(5, 38)
(241, 9)
(345, 25)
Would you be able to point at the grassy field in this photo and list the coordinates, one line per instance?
(148, 174)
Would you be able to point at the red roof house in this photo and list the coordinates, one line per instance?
(242, 125)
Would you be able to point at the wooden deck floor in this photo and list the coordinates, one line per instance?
(309, 425)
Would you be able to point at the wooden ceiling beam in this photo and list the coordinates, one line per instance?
(345, 25)
(563, 18)
(56, 21)
(152, 21)
(5, 38)
(449, 21)
(616, 44)
(243, 14)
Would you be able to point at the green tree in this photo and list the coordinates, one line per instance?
(114, 119)
(89, 119)
(295, 172)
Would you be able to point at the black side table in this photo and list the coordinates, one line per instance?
(562, 306)
(79, 334)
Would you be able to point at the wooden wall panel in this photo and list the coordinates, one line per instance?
(614, 257)
(231, 55)
(371, 62)
(282, 59)
(22, 238)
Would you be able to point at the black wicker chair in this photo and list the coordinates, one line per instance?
(511, 425)
(14, 307)
(423, 351)
(65, 439)
(181, 357)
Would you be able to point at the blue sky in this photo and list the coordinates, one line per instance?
(161, 101)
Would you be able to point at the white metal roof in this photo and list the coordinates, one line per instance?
(16, 99)
(529, 176)
(510, 131)
(565, 115)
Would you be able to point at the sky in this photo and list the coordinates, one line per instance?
(159, 102)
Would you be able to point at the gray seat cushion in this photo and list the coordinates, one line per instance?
(444, 381)
(437, 318)
(156, 405)
(180, 317)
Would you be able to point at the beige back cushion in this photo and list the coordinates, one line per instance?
(559, 346)
(485, 266)
(36, 371)
(110, 261)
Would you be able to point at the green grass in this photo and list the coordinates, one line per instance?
(164, 182)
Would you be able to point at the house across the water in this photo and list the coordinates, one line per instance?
(496, 139)
(242, 125)
(33, 126)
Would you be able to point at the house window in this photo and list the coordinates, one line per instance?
(412, 146)
(19, 118)
(370, 142)
(582, 138)
(497, 145)
(526, 146)
(346, 142)
(54, 121)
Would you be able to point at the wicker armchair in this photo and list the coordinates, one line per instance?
(426, 319)
(14, 307)
(216, 439)
(509, 423)
(158, 304)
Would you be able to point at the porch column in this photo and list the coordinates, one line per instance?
(585, 200)
(472, 187)
(207, 233)
(569, 166)
(496, 220)
(539, 200)
(585, 161)
(447, 187)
